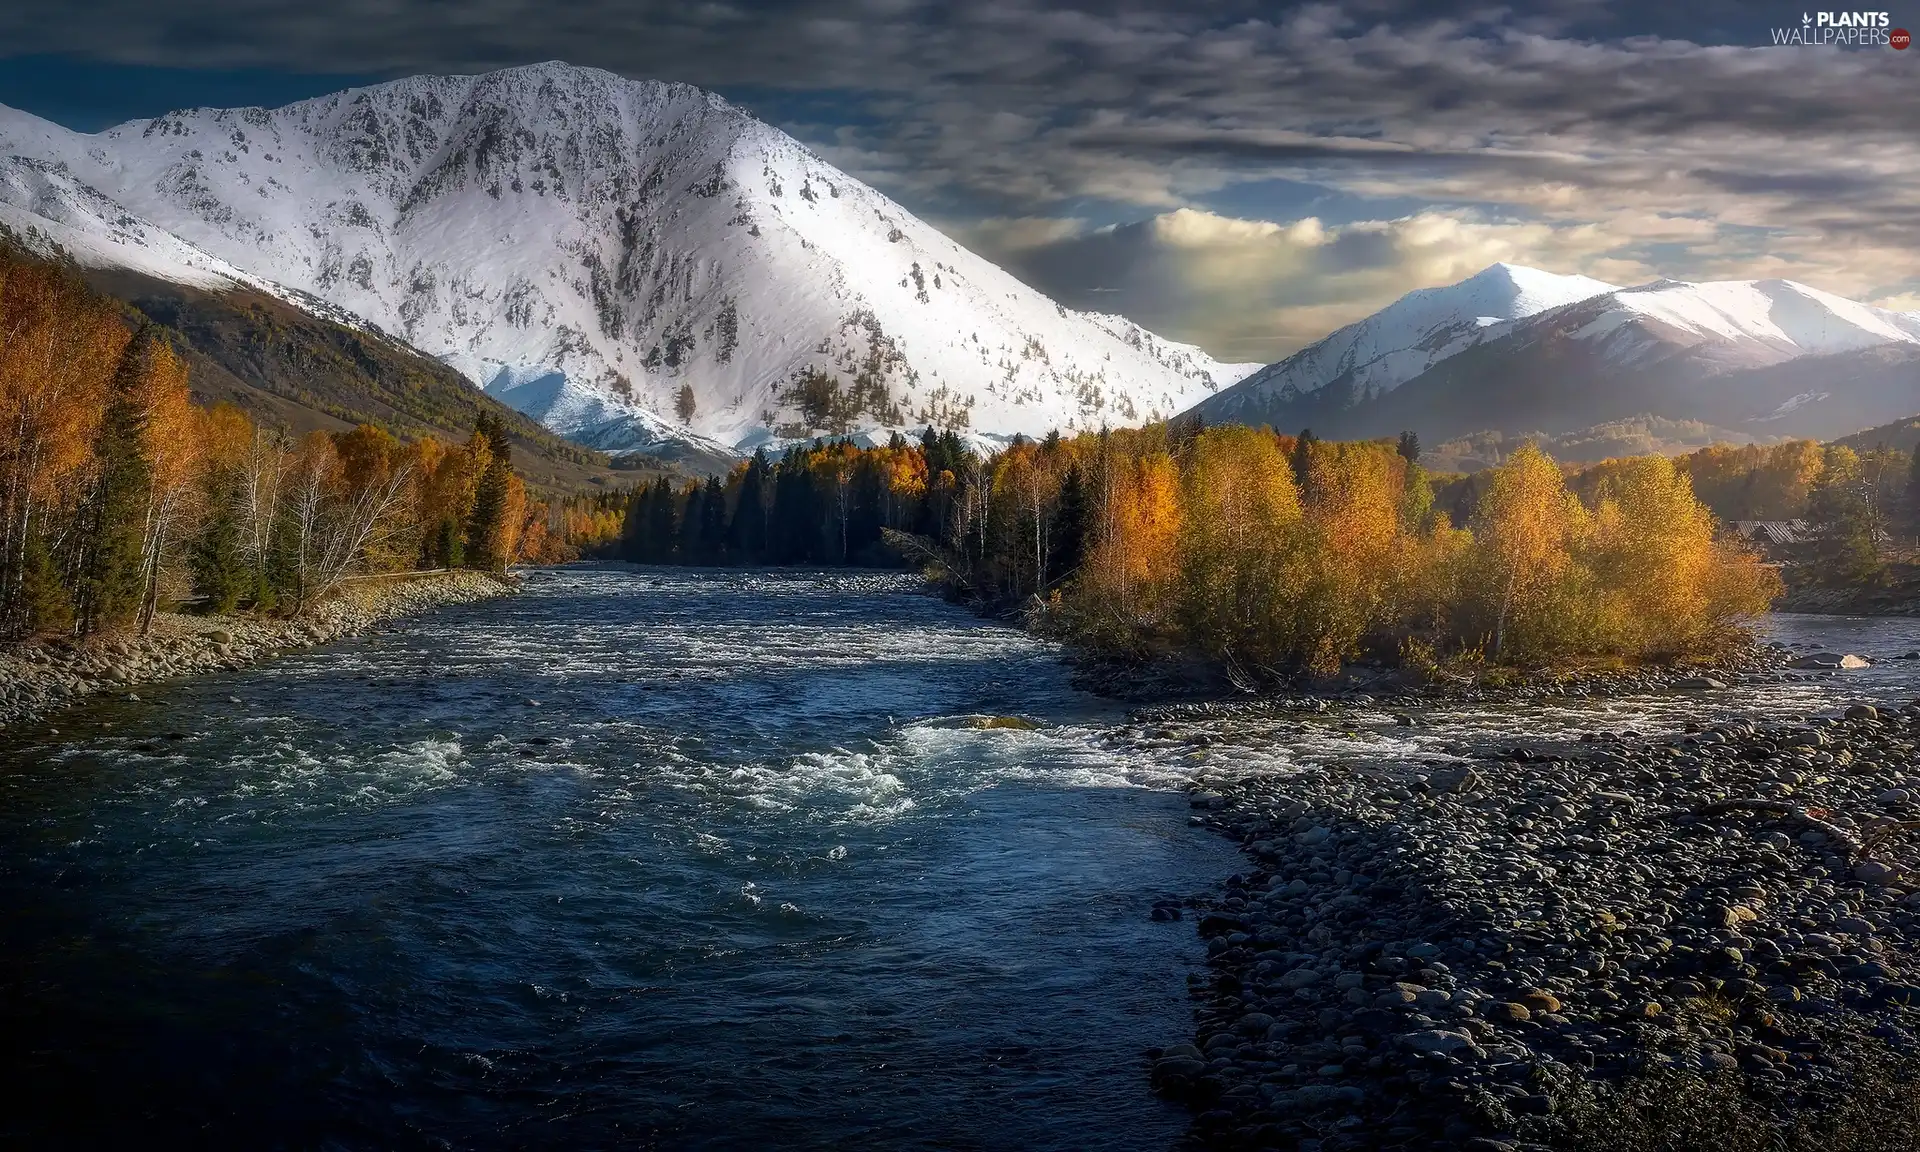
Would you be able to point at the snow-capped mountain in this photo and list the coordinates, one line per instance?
(1404, 339)
(43, 207)
(1576, 352)
(1781, 318)
(583, 245)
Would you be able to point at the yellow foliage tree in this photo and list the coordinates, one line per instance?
(1239, 525)
(1526, 530)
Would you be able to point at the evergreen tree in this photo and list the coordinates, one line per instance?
(633, 525)
(713, 522)
(111, 581)
(692, 548)
(1182, 431)
(662, 522)
(1302, 459)
(747, 532)
(449, 548)
(795, 522)
(1845, 547)
(487, 525)
(684, 404)
(1067, 542)
(1409, 447)
(45, 605)
(863, 519)
(221, 572)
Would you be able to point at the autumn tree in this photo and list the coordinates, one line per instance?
(1348, 580)
(1240, 522)
(60, 346)
(172, 452)
(1525, 532)
(1653, 558)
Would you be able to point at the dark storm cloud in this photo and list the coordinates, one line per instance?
(1645, 118)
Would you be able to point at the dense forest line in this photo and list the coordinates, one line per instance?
(119, 495)
(1270, 553)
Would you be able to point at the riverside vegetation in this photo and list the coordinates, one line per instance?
(118, 495)
(1268, 555)
(120, 499)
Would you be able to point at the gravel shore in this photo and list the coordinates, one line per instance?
(41, 677)
(1477, 954)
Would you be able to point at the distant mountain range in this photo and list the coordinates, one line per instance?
(584, 247)
(1517, 350)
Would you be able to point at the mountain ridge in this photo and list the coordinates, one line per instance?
(619, 238)
(1762, 357)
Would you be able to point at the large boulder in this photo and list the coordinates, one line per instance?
(1830, 660)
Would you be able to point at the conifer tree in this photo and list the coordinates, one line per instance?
(664, 516)
(634, 525)
(112, 576)
(221, 572)
(747, 530)
(487, 525)
(692, 549)
(713, 522)
(45, 604)
(1302, 459)
(1067, 540)
(685, 403)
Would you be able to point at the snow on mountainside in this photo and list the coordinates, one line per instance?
(45, 209)
(1406, 338)
(583, 245)
(1515, 344)
(1779, 317)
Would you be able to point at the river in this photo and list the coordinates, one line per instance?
(672, 858)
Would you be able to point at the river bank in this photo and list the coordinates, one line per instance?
(1501, 951)
(1185, 682)
(41, 677)
(1894, 600)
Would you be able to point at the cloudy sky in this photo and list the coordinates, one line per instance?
(1244, 175)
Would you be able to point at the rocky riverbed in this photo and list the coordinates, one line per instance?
(1481, 951)
(41, 677)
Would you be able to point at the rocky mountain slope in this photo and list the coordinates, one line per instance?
(1402, 340)
(583, 246)
(296, 370)
(1762, 358)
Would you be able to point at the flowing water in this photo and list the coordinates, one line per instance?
(670, 859)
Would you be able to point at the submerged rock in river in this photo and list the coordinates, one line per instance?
(1830, 660)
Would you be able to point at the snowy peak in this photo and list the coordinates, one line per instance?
(1518, 351)
(1781, 315)
(1406, 338)
(1513, 291)
(591, 246)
